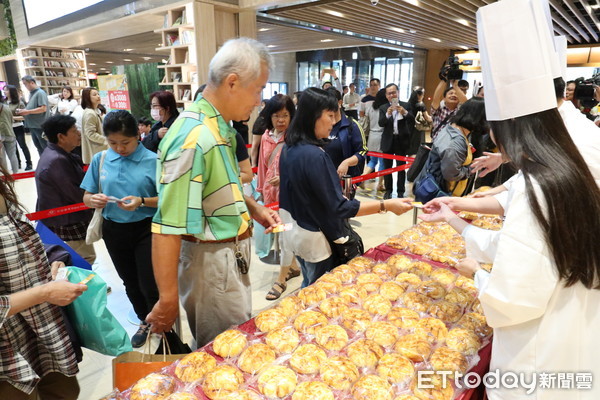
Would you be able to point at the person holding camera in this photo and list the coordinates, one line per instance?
(397, 123)
(452, 97)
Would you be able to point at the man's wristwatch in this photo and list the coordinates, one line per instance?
(143, 203)
(382, 209)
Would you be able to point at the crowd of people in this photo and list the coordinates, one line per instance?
(177, 221)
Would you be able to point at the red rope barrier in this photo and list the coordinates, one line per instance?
(390, 156)
(55, 212)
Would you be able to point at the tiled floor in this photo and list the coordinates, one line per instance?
(95, 375)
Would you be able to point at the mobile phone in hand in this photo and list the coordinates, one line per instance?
(395, 102)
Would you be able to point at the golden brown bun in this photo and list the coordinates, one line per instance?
(243, 394)
(432, 289)
(307, 359)
(230, 343)
(154, 386)
(406, 280)
(376, 304)
(476, 323)
(400, 262)
(339, 372)
(443, 276)
(395, 368)
(333, 306)
(446, 311)
(385, 271)
(364, 353)
(403, 317)
(372, 387)
(270, 319)
(383, 333)
(415, 347)
(445, 359)
(284, 340)
(311, 295)
(463, 340)
(434, 328)
(255, 357)
(290, 306)
(416, 301)
(460, 297)
(420, 268)
(406, 397)
(277, 381)
(195, 366)
(353, 295)
(420, 248)
(369, 281)
(438, 392)
(345, 273)
(328, 287)
(356, 320)
(309, 321)
(332, 337)
(221, 381)
(465, 283)
(477, 307)
(313, 390)
(330, 277)
(361, 264)
(391, 290)
(399, 242)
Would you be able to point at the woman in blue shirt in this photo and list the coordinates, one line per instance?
(310, 196)
(127, 194)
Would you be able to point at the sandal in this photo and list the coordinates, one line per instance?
(292, 273)
(274, 293)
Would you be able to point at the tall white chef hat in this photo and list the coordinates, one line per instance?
(518, 59)
(560, 44)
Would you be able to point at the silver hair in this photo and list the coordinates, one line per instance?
(243, 57)
(28, 78)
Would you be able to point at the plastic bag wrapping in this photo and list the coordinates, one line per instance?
(94, 324)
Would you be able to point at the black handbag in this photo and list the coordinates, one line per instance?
(420, 160)
(353, 247)
(428, 189)
(174, 344)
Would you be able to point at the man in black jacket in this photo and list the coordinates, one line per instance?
(397, 125)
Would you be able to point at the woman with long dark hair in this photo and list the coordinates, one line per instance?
(164, 111)
(311, 196)
(542, 295)
(14, 103)
(64, 102)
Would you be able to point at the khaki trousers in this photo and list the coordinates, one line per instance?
(54, 386)
(83, 249)
(214, 294)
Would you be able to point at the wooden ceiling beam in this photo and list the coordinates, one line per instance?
(557, 6)
(581, 18)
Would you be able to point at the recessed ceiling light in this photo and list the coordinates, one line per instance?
(464, 47)
(264, 29)
(271, 46)
(595, 6)
(109, 62)
(127, 59)
(91, 64)
(463, 22)
(435, 40)
(413, 2)
(326, 40)
(127, 49)
(412, 30)
(399, 30)
(335, 13)
(103, 68)
(146, 58)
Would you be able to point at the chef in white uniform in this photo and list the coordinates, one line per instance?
(541, 325)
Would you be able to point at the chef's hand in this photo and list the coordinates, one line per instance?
(467, 267)
(487, 163)
(437, 211)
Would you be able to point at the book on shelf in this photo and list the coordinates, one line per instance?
(183, 17)
(166, 21)
(175, 76)
(30, 53)
(172, 39)
(187, 37)
(194, 77)
(177, 22)
(187, 94)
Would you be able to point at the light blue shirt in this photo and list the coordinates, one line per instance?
(134, 175)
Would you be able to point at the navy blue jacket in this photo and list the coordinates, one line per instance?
(352, 142)
(311, 192)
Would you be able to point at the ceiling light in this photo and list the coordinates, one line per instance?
(127, 59)
(103, 68)
(127, 49)
(399, 30)
(412, 30)
(109, 62)
(335, 13)
(354, 55)
(463, 22)
(435, 39)
(264, 29)
(595, 6)
(464, 47)
(146, 58)
(164, 60)
(91, 63)
(413, 2)
(271, 46)
(326, 40)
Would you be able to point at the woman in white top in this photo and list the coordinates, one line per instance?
(92, 137)
(542, 295)
(15, 103)
(64, 102)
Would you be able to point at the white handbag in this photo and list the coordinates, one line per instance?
(94, 230)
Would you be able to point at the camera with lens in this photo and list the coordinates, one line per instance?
(374, 2)
(450, 70)
(585, 91)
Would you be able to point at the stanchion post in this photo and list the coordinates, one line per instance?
(415, 212)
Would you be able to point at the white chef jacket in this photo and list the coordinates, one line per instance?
(539, 325)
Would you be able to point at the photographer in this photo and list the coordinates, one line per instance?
(441, 113)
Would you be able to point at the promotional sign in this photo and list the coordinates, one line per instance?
(114, 92)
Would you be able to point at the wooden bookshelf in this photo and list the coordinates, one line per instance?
(178, 40)
(54, 68)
